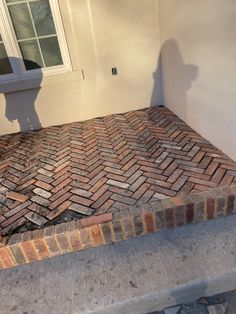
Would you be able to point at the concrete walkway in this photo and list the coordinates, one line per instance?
(137, 276)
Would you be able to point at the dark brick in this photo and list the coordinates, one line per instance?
(230, 204)
(149, 222)
(116, 225)
(189, 213)
(138, 225)
(169, 217)
(220, 207)
(210, 208)
(180, 215)
(160, 219)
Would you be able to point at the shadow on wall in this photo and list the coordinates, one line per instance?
(21, 107)
(176, 76)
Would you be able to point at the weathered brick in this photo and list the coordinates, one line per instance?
(169, 217)
(199, 211)
(220, 206)
(138, 225)
(42, 193)
(81, 192)
(230, 204)
(84, 210)
(117, 230)
(43, 185)
(60, 209)
(74, 240)
(127, 227)
(17, 196)
(96, 235)
(29, 251)
(6, 257)
(36, 219)
(94, 220)
(160, 219)
(52, 245)
(149, 222)
(63, 242)
(106, 231)
(18, 254)
(118, 184)
(180, 213)
(85, 238)
(41, 248)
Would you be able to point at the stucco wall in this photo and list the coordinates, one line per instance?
(101, 34)
(199, 66)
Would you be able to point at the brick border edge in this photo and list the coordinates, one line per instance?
(108, 228)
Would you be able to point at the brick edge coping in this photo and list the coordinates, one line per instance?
(94, 231)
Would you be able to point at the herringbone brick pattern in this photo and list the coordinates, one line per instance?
(104, 164)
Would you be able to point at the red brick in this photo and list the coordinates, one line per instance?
(43, 185)
(41, 248)
(189, 213)
(61, 185)
(6, 258)
(74, 240)
(149, 222)
(17, 196)
(94, 220)
(60, 209)
(29, 251)
(96, 235)
(60, 200)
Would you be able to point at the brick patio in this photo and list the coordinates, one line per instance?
(103, 165)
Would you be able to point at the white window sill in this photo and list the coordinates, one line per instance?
(35, 82)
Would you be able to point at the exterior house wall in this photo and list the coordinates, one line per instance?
(199, 66)
(101, 34)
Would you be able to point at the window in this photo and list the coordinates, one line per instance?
(32, 39)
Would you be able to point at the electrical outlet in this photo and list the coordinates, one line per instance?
(114, 71)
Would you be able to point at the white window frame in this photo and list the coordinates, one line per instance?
(13, 50)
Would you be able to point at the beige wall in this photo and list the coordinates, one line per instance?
(101, 34)
(199, 66)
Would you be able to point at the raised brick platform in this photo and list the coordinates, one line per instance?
(104, 165)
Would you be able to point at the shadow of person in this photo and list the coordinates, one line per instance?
(176, 77)
(20, 105)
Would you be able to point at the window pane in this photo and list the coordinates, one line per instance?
(42, 17)
(30, 52)
(21, 20)
(5, 66)
(51, 51)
